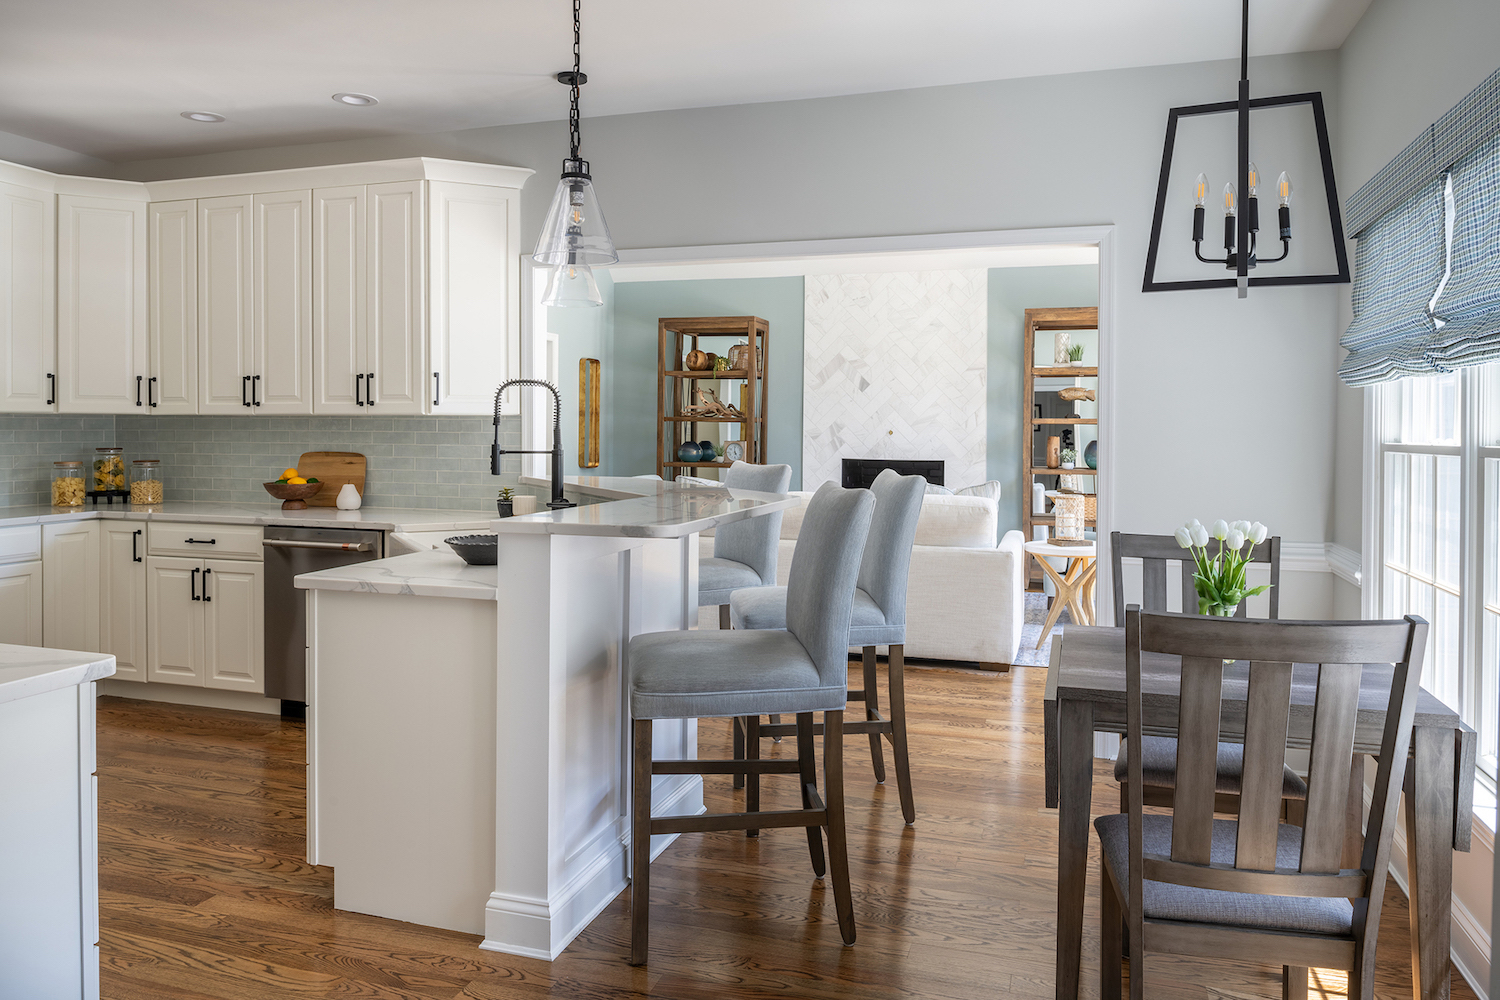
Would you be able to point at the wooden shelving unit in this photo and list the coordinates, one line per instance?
(676, 385)
(1033, 457)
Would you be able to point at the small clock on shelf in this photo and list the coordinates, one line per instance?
(734, 451)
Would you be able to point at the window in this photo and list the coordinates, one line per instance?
(1438, 544)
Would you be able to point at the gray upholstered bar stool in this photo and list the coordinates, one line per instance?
(879, 619)
(801, 671)
(745, 551)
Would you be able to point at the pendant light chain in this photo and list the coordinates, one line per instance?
(575, 136)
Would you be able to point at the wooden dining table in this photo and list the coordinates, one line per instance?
(1086, 695)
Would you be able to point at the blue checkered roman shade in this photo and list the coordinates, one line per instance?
(1469, 305)
(1397, 268)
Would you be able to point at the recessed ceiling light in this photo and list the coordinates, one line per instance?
(202, 116)
(358, 100)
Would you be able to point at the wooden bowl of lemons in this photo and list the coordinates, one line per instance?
(293, 490)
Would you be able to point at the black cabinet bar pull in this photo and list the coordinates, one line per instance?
(437, 382)
(254, 385)
(202, 541)
(244, 390)
(359, 383)
(52, 386)
(193, 583)
(151, 391)
(206, 598)
(138, 380)
(370, 389)
(135, 541)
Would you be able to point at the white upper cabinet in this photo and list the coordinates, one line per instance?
(101, 304)
(339, 300)
(28, 290)
(224, 304)
(475, 274)
(395, 241)
(281, 379)
(172, 385)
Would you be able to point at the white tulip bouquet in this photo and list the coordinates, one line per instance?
(1220, 579)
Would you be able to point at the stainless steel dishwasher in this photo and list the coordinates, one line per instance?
(289, 553)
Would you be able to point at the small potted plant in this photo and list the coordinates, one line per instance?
(1075, 355)
(505, 502)
(1068, 457)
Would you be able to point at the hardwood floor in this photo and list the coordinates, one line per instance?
(206, 896)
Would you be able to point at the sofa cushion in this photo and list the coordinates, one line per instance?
(989, 490)
(967, 522)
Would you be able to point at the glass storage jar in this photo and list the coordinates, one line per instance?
(67, 484)
(109, 469)
(145, 481)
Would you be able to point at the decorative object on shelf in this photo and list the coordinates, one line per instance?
(1091, 454)
(721, 364)
(1075, 393)
(697, 361)
(688, 398)
(1068, 457)
(719, 451)
(1060, 347)
(1241, 228)
(709, 405)
(734, 451)
(1038, 498)
(1220, 580)
(293, 496)
(1054, 451)
(575, 238)
(1067, 507)
(689, 451)
(1070, 482)
(348, 498)
(476, 550)
(505, 502)
(1075, 356)
(739, 359)
(706, 451)
(588, 413)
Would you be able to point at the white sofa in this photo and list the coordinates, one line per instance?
(965, 594)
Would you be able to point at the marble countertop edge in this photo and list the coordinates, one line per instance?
(27, 671)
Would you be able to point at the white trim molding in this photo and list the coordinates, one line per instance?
(1345, 563)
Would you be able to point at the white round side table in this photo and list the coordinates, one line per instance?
(1075, 585)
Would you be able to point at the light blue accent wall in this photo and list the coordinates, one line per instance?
(1013, 290)
(583, 333)
(630, 381)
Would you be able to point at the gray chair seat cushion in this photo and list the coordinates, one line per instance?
(765, 608)
(1164, 901)
(718, 578)
(1159, 767)
(695, 675)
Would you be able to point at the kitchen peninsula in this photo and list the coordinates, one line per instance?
(467, 756)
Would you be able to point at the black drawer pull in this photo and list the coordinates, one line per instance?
(370, 389)
(244, 390)
(135, 552)
(52, 385)
(193, 583)
(138, 380)
(254, 388)
(437, 383)
(151, 391)
(206, 598)
(359, 385)
(201, 541)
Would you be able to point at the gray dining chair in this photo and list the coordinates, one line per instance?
(879, 619)
(1254, 888)
(744, 551)
(1159, 766)
(800, 671)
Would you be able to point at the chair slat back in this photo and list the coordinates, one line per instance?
(1338, 650)
(1156, 552)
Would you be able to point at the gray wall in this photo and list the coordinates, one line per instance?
(1013, 290)
(584, 333)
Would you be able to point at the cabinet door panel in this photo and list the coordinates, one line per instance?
(223, 304)
(28, 291)
(283, 303)
(101, 303)
(234, 630)
(122, 598)
(21, 604)
(475, 340)
(339, 299)
(70, 585)
(174, 621)
(395, 248)
(174, 308)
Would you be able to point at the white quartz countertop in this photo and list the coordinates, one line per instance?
(372, 518)
(653, 509)
(26, 671)
(438, 573)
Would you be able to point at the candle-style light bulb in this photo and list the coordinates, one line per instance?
(1200, 190)
(1284, 213)
(1284, 189)
(1229, 199)
(1252, 181)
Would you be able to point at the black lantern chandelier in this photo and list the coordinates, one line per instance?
(575, 238)
(1242, 227)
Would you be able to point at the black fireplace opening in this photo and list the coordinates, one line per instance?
(859, 473)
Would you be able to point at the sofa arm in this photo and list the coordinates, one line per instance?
(967, 604)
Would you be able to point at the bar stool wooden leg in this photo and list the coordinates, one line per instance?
(1110, 939)
(724, 616)
(1293, 983)
(775, 721)
(872, 712)
(739, 747)
(807, 768)
(838, 845)
(896, 664)
(752, 781)
(640, 845)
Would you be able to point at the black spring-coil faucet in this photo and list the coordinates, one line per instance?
(558, 501)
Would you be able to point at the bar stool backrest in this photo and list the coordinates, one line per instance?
(1156, 551)
(753, 540)
(887, 560)
(825, 565)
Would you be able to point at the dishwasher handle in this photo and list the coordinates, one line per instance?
(278, 543)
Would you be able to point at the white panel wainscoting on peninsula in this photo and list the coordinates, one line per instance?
(894, 367)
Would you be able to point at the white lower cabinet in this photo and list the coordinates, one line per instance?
(70, 585)
(205, 618)
(122, 597)
(21, 603)
(233, 626)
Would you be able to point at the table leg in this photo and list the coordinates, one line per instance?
(1075, 778)
(1429, 844)
(1057, 603)
(1086, 592)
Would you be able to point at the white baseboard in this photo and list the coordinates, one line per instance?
(176, 694)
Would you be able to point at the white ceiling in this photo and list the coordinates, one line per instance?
(109, 79)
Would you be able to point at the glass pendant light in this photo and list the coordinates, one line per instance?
(575, 236)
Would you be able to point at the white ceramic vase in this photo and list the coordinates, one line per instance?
(348, 498)
(1060, 344)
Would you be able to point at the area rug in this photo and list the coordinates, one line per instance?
(1036, 617)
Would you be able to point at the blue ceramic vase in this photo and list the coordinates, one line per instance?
(689, 451)
(1091, 455)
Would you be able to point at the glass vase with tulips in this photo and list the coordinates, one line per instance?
(1220, 578)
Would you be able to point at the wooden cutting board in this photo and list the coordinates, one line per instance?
(333, 469)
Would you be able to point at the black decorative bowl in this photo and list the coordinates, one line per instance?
(476, 550)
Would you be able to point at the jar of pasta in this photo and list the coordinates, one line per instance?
(145, 481)
(67, 484)
(109, 469)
